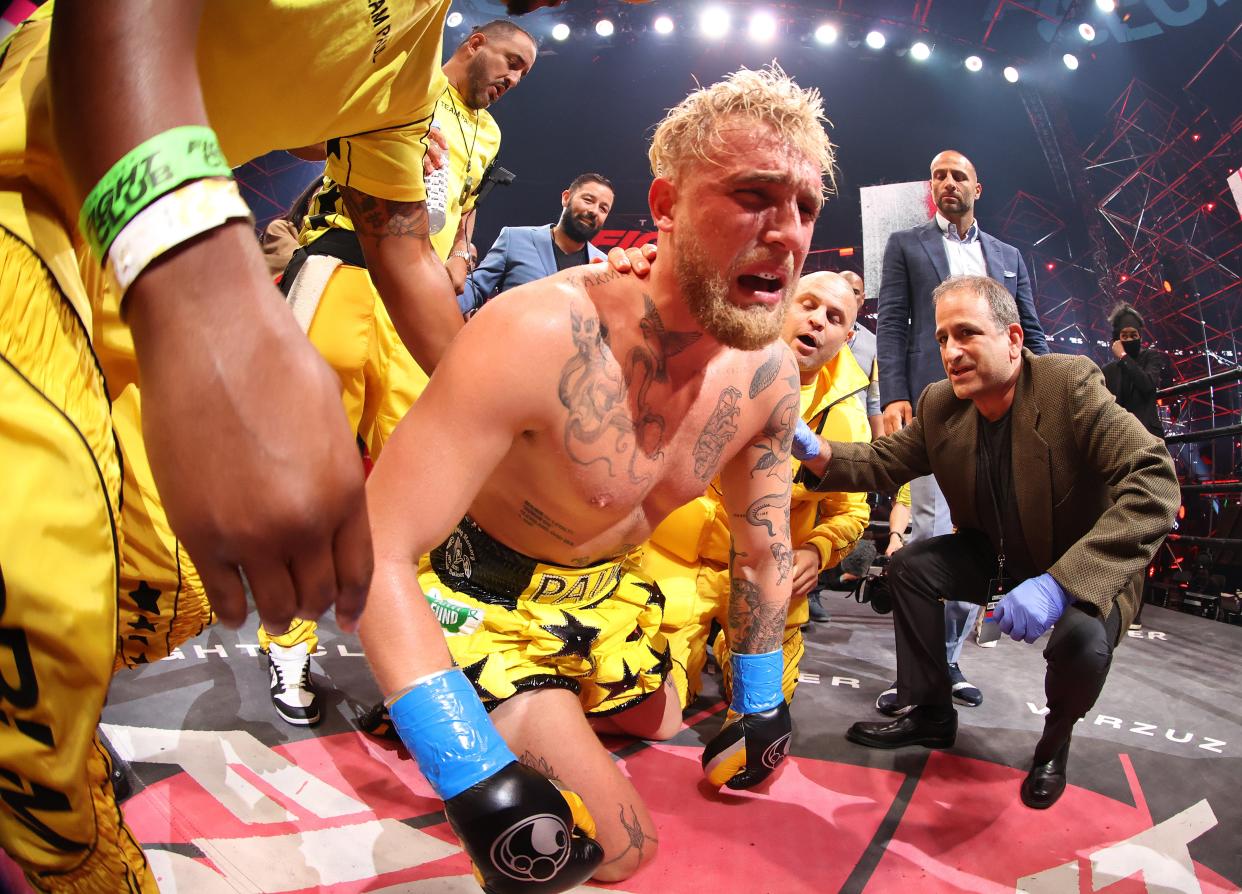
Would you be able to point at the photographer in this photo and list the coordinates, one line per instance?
(1064, 543)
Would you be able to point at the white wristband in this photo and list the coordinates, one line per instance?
(181, 215)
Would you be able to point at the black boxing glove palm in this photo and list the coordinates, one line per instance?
(522, 833)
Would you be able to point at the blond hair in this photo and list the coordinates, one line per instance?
(692, 129)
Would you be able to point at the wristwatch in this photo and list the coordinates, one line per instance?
(464, 255)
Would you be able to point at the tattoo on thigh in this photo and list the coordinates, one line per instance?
(538, 763)
(638, 839)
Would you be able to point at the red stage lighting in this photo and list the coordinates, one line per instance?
(1051, 266)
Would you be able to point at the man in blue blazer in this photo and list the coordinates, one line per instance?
(915, 262)
(524, 254)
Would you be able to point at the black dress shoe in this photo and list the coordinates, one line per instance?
(1043, 785)
(919, 727)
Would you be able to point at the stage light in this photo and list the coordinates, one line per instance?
(826, 33)
(974, 63)
(663, 25)
(1051, 266)
(1011, 74)
(920, 51)
(604, 28)
(762, 26)
(714, 22)
(1124, 278)
(1071, 61)
(1194, 138)
(454, 19)
(560, 31)
(1106, 5)
(1209, 207)
(875, 40)
(1086, 32)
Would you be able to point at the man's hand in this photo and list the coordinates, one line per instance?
(1119, 350)
(633, 260)
(810, 449)
(895, 543)
(897, 416)
(258, 470)
(436, 156)
(805, 570)
(458, 270)
(1030, 608)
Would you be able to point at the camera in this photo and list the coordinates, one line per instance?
(873, 588)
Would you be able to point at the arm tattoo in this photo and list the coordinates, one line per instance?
(638, 839)
(380, 219)
(766, 374)
(538, 763)
(784, 560)
(777, 439)
(717, 433)
(756, 625)
(758, 513)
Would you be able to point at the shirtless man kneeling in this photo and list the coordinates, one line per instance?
(565, 422)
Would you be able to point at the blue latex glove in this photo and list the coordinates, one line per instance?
(805, 442)
(1029, 609)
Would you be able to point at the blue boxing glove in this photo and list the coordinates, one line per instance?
(523, 835)
(1029, 609)
(805, 442)
(755, 738)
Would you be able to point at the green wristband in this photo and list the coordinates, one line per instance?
(146, 172)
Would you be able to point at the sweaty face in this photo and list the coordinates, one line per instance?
(584, 213)
(980, 358)
(954, 184)
(741, 230)
(496, 68)
(819, 320)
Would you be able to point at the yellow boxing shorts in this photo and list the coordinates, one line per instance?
(59, 547)
(515, 624)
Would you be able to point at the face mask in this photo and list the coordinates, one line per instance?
(1132, 347)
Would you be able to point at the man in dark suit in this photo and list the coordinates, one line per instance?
(1066, 541)
(525, 254)
(915, 262)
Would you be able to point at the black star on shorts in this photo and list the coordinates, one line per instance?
(578, 637)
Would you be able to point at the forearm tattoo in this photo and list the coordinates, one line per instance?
(381, 219)
(539, 763)
(755, 625)
(784, 560)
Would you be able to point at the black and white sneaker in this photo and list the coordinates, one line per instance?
(964, 691)
(293, 693)
(888, 705)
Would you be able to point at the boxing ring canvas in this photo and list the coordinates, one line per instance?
(230, 799)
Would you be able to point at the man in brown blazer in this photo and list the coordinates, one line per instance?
(1060, 499)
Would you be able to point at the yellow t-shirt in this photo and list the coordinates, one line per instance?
(473, 141)
(276, 74)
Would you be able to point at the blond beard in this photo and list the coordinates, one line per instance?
(707, 295)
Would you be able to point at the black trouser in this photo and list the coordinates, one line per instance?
(1078, 653)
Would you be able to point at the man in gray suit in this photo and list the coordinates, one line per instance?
(916, 261)
(525, 254)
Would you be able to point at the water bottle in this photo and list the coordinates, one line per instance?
(437, 193)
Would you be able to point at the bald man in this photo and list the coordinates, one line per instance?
(915, 262)
(688, 554)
